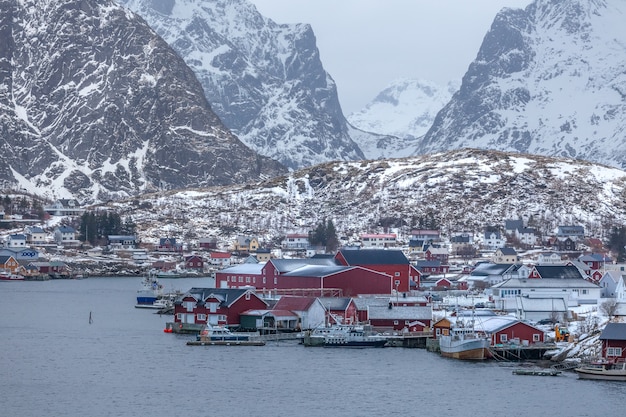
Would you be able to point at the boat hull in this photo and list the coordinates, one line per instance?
(357, 344)
(347, 336)
(475, 349)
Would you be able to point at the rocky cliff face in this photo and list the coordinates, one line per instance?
(547, 80)
(95, 105)
(264, 80)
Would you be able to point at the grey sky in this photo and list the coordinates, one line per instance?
(366, 44)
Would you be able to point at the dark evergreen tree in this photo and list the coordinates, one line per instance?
(325, 235)
(332, 242)
(617, 243)
(88, 228)
(129, 227)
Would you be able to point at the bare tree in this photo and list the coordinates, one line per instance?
(609, 308)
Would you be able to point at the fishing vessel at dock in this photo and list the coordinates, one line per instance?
(603, 370)
(151, 290)
(464, 343)
(352, 336)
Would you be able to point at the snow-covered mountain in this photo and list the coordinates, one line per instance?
(547, 80)
(264, 80)
(95, 105)
(463, 190)
(406, 110)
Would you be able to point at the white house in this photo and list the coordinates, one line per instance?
(549, 258)
(17, 240)
(608, 283)
(295, 241)
(505, 255)
(65, 235)
(493, 240)
(526, 235)
(574, 291)
(35, 235)
(382, 240)
(122, 242)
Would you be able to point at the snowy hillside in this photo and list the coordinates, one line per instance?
(460, 190)
(547, 80)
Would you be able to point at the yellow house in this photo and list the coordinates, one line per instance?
(246, 244)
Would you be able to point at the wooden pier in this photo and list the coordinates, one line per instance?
(409, 340)
(519, 352)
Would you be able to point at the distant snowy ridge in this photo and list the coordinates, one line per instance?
(547, 80)
(406, 110)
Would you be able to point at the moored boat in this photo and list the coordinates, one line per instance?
(352, 336)
(169, 274)
(464, 343)
(603, 370)
(216, 333)
(6, 276)
(150, 291)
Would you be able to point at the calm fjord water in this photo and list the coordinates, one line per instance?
(54, 363)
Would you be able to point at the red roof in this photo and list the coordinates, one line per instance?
(381, 235)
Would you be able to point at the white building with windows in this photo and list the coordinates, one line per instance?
(382, 240)
(295, 241)
(574, 291)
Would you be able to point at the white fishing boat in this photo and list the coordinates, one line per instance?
(603, 370)
(216, 333)
(352, 336)
(464, 343)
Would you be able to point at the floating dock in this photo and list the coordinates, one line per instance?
(538, 372)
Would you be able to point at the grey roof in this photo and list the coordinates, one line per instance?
(374, 257)
(614, 331)
(508, 251)
(227, 296)
(571, 230)
(316, 271)
(246, 268)
(558, 271)
(400, 313)
(492, 232)
(513, 224)
(495, 324)
(287, 265)
(614, 275)
(363, 303)
(335, 303)
(427, 264)
(460, 239)
(488, 268)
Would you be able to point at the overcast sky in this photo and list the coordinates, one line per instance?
(366, 44)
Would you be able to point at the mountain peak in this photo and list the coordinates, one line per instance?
(94, 105)
(547, 80)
